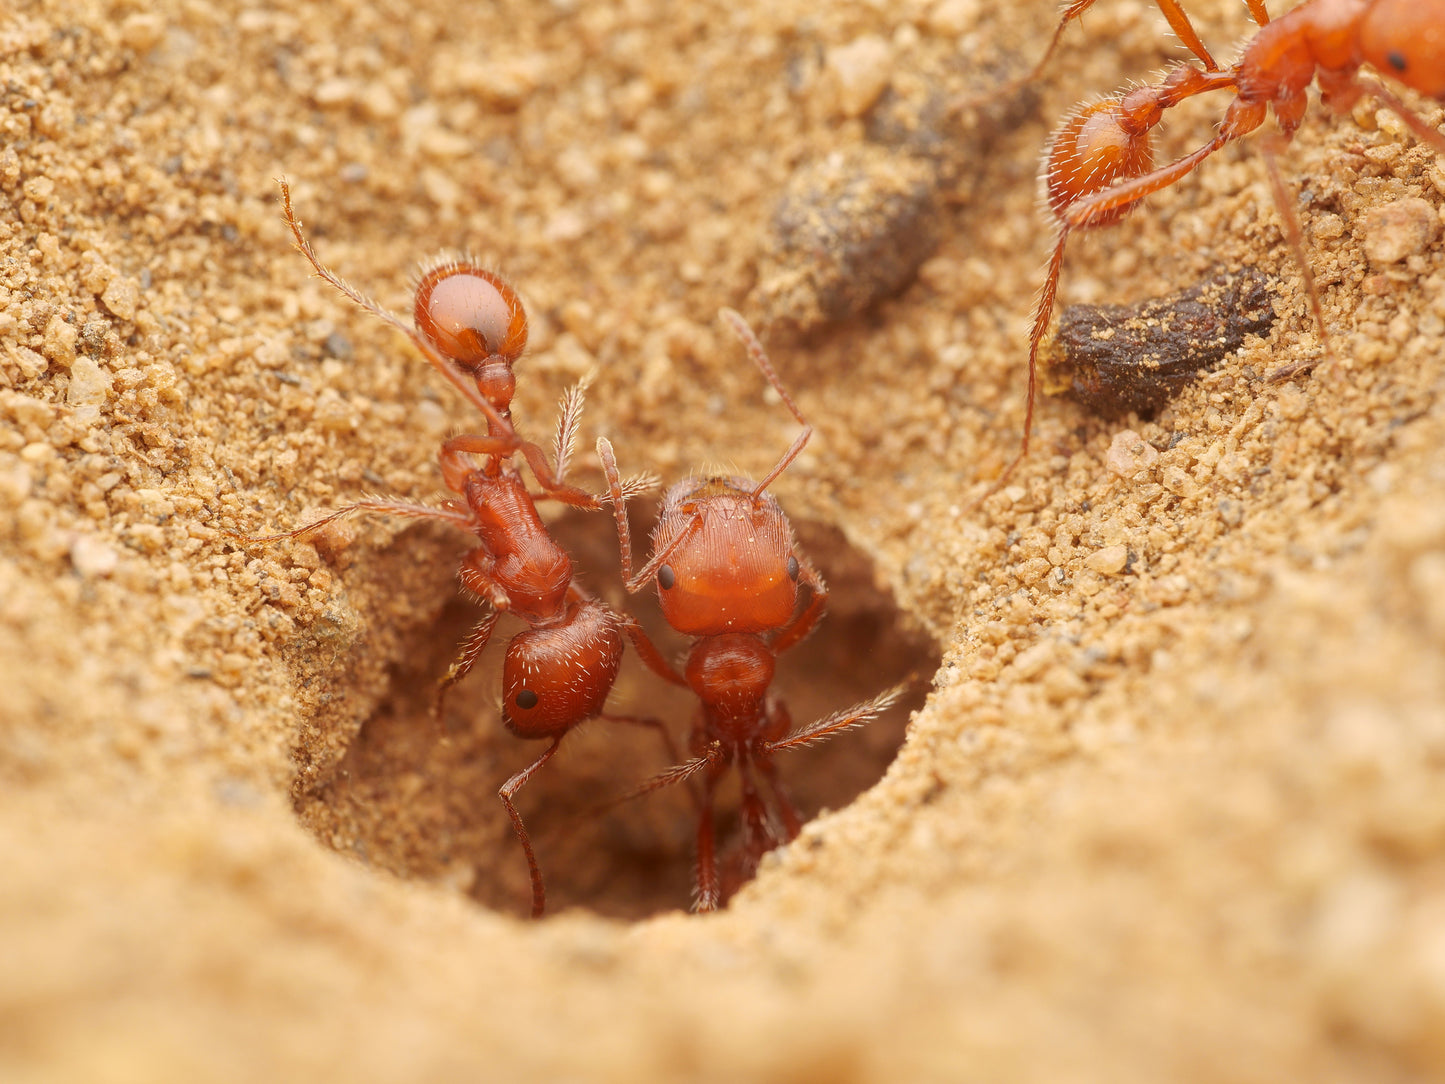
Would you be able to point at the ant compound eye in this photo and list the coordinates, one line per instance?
(1397, 60)
(470, 314)
(792, 567)
(666, 577)
(526, 700)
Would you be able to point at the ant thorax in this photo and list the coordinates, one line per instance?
(729, 563)
(731, 675)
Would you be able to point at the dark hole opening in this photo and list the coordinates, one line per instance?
(418, 797)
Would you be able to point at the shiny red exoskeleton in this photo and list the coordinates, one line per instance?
(1099, 165)
(729, 573)
(471, 327)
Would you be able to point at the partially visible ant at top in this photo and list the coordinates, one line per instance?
(471, 327)
(1173, 13)
(729, 573)
(1099, 164)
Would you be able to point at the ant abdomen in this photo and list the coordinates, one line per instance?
(470, 314)
(555, 675)
(1095, 147)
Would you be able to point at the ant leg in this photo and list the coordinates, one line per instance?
(476, 576)
(1257, 11)
(755, 351)
(455, 516)
(506, 794)
(706, 891)
(758, 835)
(1294, 236)
(792, 822)
(1184, 30)
(1096, 208)
(651, 723)
(810, 615)
(507, 444)
(1043, 309)
(647, 651)
(839, 721)
(1423, 131)
(1172, 12)
(472, 648)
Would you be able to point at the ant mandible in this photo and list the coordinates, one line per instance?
(1099, 163)
(728, 572)
(558, 671)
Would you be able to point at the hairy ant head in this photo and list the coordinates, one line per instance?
(1404, 38)
(729, 564)
(556, 676)
(470, 314)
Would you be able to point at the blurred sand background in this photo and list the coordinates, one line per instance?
(1173, 808)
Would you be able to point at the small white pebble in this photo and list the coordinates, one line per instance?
(91, 557)
(1129, 453)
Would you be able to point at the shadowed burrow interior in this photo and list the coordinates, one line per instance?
(417, 796)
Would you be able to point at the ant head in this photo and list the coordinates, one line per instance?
(1403, 39)
(729, 564)
(473, 317)
(556, 676)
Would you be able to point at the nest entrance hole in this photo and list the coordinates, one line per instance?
(417, 796)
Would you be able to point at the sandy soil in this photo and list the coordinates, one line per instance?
(1173, 808)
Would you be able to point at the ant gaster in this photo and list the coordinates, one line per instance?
(1099, 164)
(471, 327)
(729, 573)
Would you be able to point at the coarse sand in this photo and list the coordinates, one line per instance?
(1171, 801)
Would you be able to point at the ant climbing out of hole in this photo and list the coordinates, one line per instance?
(1099, 165)
(471, 327)
(728, 572)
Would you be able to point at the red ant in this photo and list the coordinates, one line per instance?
(558, 671)
(728, 572)
(1099, 165)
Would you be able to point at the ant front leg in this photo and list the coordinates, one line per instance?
(472, 648)
(642, 643)
(506, 794)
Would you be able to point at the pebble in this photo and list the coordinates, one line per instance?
(1109, 561)
(1129, 453)
(859, 72)
(91, 557)
(1398, 230)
